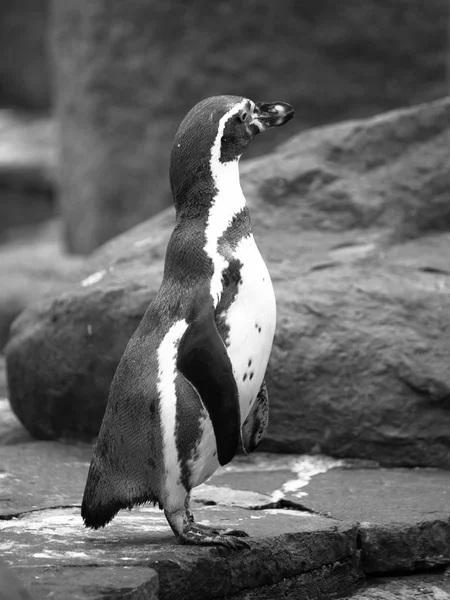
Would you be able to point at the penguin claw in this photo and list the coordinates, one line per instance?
(209, 536)
(235, 533)
(217, 530)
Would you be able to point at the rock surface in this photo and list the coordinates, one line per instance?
(414, 587)
(123, 86)
(28, 157)
(32, 263)
(299, 548)
(360, 360)
(28, 253)
(10, 586)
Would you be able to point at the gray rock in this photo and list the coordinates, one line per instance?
(414, 587)
(32, 262)
(404, 547)
(99, 583)
(3, 384)
(353, 221)
(10, 587)
(28, 157)
(282, 545)
(11, 429)
(315, 523)
(123, 86)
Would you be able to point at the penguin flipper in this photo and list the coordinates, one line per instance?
(204, 362)
(255, 425)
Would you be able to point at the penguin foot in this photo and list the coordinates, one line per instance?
(221, 530)
(188, 531)
(203, 535)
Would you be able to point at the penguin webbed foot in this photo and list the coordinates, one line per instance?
(188, 532)
(205, 535)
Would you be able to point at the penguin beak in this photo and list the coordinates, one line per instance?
(271, 114)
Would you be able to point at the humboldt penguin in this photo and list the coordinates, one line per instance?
(189, 390)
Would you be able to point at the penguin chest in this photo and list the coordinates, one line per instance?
(248, 319)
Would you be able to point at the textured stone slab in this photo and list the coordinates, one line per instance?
(414, 587)
(270, 478)
(379, 495)
(344, 516)
(330, 581)
(10, 586)
(406, 546)
(97, 583)
(36, 475)
(403, 514)
(11, 429)
(283, 543)
(45, 474)
(32, 262)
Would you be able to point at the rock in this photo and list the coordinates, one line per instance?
(282, 545)
(3, 384)
(399, 547)
(30, 248)
(32, 262)
(101, 583)
(123, 86)
(359, 366)
(426, 586)
(402, 514)
(28, 157)
(10, 587)
(285, 544)
(24, 63)
(11, 429)
(318, 585)
(317, 546)
(40, 475)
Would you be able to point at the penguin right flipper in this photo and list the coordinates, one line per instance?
(204, 362)
(255, 425)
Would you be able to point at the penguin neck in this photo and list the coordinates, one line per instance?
(228, 199)
(216, 194)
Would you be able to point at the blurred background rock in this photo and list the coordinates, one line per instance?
(119, 76)
(92, 92)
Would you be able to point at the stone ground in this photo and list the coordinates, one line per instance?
(319, 528)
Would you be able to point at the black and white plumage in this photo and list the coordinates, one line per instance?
(190, 388)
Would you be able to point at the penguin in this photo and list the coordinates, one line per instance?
(189, 390)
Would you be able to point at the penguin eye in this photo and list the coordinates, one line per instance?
(243, 116)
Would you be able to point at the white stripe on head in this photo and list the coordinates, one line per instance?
(255, 121)
(228, 202)
(167, 353)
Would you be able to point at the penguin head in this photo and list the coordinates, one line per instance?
(216, 132)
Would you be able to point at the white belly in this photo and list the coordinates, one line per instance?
(251, 320)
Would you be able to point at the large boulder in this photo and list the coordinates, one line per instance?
(127, 72)
(28, 157)
(32, 262)
(354, 223)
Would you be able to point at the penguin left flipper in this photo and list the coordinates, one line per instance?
(255, 425)
(204, 362)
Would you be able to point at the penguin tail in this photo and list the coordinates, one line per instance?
(101, 502)
(106, 493)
